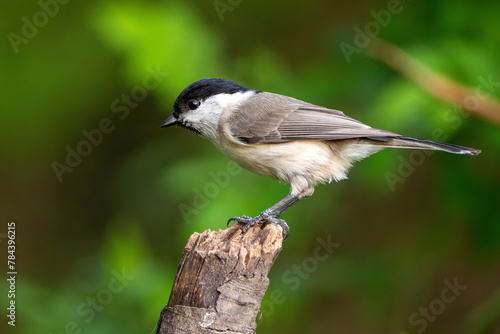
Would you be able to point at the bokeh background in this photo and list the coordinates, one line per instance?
(100, 232)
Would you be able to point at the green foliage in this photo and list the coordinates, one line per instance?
(169, 35)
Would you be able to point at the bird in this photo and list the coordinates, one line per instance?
(283, 138)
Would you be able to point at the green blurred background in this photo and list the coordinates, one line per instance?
(127, 206)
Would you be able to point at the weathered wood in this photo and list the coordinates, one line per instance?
(221, 280)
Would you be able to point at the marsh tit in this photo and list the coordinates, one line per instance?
(283, 138)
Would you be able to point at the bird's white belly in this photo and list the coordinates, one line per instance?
(316, 161)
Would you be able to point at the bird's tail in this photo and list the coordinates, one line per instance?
(423, 144)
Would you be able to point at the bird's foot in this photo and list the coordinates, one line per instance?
(265, 217)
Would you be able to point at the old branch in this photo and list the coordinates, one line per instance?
(221, 280)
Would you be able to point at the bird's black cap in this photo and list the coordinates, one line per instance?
(205, 88)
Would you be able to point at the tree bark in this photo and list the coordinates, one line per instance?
(221, 280)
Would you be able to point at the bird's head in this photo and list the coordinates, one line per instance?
(199, 105)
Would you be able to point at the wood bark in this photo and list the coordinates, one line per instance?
(221, 280)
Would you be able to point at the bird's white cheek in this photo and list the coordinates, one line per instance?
(204, 119)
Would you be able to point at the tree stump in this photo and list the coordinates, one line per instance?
(221, 280)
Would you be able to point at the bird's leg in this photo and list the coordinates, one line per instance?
(278, 210)
(270, 215)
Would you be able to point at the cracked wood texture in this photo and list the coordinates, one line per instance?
(221, 280)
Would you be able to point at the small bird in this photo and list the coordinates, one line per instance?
(283, 138)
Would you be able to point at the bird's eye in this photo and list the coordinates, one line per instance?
(193, 104)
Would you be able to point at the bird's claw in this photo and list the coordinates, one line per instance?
(240, 219)
(263, 218)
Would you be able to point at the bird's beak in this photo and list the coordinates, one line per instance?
(169, 121)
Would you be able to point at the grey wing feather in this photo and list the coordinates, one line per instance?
(293, 119)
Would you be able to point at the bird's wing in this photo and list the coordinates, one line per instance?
(292, 119)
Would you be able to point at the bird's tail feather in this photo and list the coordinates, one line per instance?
(424, 144)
